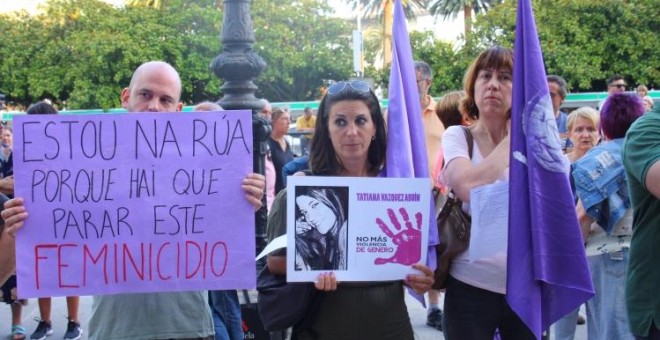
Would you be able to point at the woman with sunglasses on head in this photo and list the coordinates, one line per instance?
(475, 304)
(349, 140)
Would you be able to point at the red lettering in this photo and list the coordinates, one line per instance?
(60, 265)
(224, 263)
(151, 262)
(160, 250)
(188, 258)
(127, 255)
(104, 253)
(37, 258)
(116, 273)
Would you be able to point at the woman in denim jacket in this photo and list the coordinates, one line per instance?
(582, 125)
(606, 218)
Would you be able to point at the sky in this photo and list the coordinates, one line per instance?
(444, 30)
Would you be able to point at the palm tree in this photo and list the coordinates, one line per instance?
(157, 4)
(384, 10)
(451, 8)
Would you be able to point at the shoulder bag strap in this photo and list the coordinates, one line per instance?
(469, 139)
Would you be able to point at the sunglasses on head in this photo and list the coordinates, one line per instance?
(341, 86)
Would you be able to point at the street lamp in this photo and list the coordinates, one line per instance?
(238, 65)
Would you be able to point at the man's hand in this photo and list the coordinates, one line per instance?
(7, 185)
(14, 215)
(254, 186)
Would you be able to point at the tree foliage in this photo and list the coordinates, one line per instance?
(81, 53)
(302, 46)
(586, 41)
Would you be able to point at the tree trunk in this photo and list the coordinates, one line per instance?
(467, 16)
(388, 21)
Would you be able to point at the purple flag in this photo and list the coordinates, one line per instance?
(547, 274)
(406, 148)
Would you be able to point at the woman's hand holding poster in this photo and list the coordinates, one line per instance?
(362, 229)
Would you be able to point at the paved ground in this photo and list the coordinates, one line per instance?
(417, 317)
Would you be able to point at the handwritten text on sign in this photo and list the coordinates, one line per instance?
(134, 203)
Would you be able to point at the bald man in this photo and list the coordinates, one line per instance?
(154, 87)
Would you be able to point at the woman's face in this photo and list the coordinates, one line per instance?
(7, 137)
(319, 215)
(281, 124)
(492, 91)
(583, 134)
(351, 130)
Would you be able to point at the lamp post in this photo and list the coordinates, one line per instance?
(238, 65)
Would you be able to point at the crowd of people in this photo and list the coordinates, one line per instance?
(614, 154)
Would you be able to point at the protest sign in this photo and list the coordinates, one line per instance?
(136, 202)
(362, 229)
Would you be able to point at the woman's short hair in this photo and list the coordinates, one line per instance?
(277, 113)
(41, 108)
(587, 113)
(642, 88)
(618, 113)
(496, 57)
(447, 109)
(322, 157)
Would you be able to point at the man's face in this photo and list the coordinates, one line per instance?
(617, 86)
(266, 112)
(423, 85)
(555, 96)
(308, 114)
(155, 89)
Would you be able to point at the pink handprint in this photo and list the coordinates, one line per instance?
(407, 241)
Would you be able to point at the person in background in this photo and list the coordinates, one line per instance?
(44, 326)
(615, 84)
(8, 279)
(648, 103)
(433, 130)
(349, 140)
(7, 141)
(449, 113)
(641, 160)
(305, 124)
(267, 110)
(448, 110)
(557, 87)
(606, 218)
(582, 125)
(642, 91)
(279, 148)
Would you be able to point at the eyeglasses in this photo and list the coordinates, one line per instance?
(340, 86)
(619, 86)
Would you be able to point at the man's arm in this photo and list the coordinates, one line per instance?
(7, 185)
(652, 181)
(7, 255)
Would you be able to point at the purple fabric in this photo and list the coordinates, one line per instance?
(406, 146)
(548, 275)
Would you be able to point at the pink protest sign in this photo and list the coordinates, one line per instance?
(138, 202)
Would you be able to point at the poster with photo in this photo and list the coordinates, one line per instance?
(362, 229)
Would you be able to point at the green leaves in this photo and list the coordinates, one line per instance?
(586, 41)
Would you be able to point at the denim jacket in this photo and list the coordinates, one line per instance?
(600, 182)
